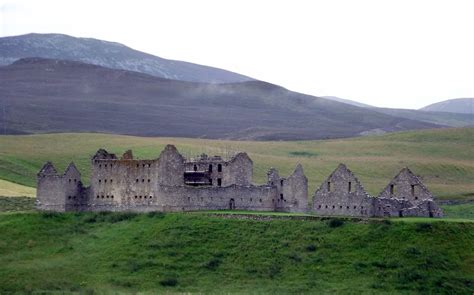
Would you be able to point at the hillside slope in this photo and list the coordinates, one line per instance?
(348, 101)
(43, 95)
(457, 105)
(442, 157)
(109, 54)
(194, 253)
(435, 115)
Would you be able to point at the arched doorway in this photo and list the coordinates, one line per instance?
(231, 204)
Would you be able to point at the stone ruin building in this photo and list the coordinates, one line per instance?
(342, 194)
(174, 183)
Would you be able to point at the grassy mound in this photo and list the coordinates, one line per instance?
(197, 253)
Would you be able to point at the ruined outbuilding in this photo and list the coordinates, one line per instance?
(342, 194)
(173, 183)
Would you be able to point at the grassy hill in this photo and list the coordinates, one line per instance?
(200, 253)
(443, 157)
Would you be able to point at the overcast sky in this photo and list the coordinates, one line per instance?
(386, 53)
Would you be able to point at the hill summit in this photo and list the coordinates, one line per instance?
(109, 54)
(457, 105)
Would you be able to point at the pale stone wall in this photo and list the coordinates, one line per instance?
(239, 171)
(342, 194)
(59, 192)
(295, 191)
(406, 186)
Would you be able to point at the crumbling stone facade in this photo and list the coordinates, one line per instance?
(406, 195)
(169, 183)
(341, 194)
(173, 183)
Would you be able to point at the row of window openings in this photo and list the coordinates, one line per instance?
(138, 165)
(112, 196)
(105, 197)
(340, 207)
(392, 188)
(70, 180)
(111, 180)
(144, 197)
(105, 180)
(219, 168)
(241, 199)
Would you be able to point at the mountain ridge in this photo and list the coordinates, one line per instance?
(109, 54)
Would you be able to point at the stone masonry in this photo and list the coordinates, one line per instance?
(174, 183)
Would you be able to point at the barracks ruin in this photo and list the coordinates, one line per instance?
(174, 183)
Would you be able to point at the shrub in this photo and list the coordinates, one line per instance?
(50, 214)
(413, 251)
(114, 217)
(169, 282)
(335, 223)
(90, 218)
(213, 263)
(295, 257)
(311, 248)
(155, 214)
(424, 227)
(274, 270)
(387, 222)
(306, 154)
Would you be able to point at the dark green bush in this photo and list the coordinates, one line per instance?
(213, 263)
(155, 214)
(311, 248)
(169, 282)
(50, 214)
(335, 222)
(424, 227)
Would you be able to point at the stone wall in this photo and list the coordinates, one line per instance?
(406, 186)
(342, 194)
(170, 167)
(406, 195)
(294, 191)
(238, 171)
(59, 192)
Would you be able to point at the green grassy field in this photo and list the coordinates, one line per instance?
(445, 158)
(113, 252)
